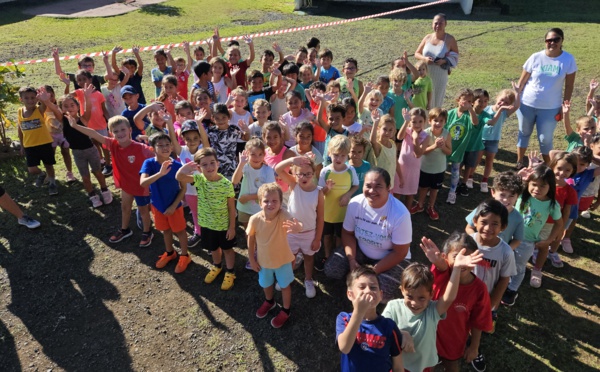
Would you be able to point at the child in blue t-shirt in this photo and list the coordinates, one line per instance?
(368, 341)
(162, 69)
(328, 72)
(166, 194)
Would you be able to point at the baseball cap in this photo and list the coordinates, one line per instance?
(128, 89)
(189, 125)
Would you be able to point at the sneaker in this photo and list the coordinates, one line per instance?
(248, 266)
(479, 363)
(536, 278)
(107, 170)
(52, 188)
(70, 177)
(299, 260)
(534, 256)
(96, 202)
(416, 209)
(451, 198)
(29, 222)
(194, 240)
(509, 297)
(566, 245)
(212, 274)
(40, 179)
(555, 259)
(280, 319)
(107, 197)
(462, 190)
(228, 281)
(310, 288)
(138, 219)
(469, 183)
(164, 259)
(483, 187)
(586, 214)
(182, 264)
(146, 239)
(120, 235)
(432, 213)
(320, 264)
(264, 309)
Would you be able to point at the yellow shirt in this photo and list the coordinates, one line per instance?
(342, 184)
(272, 248)
(387, 159)
(34, 129)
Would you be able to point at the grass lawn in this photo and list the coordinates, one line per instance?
(70, 301)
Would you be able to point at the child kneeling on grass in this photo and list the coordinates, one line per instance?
(166, 194)
(368, 341)
(267, 234)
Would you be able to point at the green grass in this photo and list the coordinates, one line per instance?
(553, 328)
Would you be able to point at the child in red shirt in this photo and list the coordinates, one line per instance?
(470, 309)
(127, 157)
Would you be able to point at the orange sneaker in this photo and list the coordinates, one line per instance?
(164, 259)
(182, 264)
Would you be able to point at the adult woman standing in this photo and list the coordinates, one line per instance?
(440, 51)
(377, 231)
(541, 91)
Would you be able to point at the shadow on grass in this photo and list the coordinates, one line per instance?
(9, 360)
(159, 9)
(12, 13)
(53, 292)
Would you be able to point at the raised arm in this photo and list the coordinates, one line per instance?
(170, 60)
(138, 58)
(188, 55)
(138, 119)
(147, 180)
(248, 41)
(113, 58)
(413, 70)
(281, 167)
(323, 123)
(172, 134)
(566, 108)
(590, 96)
(57, 68)
(462, 260)
(109, 71)
(184, 174)
(433, 254)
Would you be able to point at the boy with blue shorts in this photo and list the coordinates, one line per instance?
(268, 237)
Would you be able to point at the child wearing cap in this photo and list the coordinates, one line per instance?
(195, 138)
(131, 98)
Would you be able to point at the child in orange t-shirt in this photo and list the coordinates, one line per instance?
(267, 235)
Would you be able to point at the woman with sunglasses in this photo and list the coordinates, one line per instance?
(541, 90)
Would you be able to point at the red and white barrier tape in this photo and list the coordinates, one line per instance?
(260, 34)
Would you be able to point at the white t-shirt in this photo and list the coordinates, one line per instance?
(498, 261)
(354, 128)
(187, 157)
(318, 156)
(113, 101)
(544, 88)
(377, 229)
(255, 130)
(253, 179)
(235, 117)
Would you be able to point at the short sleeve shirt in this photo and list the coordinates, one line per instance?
(157, 75)
(272, 248)
(535, 214)
(97, 81)
(136, 82)
(251, 181)
(327, 75)
(127, 163)
(213, 212)
(514, 229)
(130, 114)
(97, 120)
(498, 261)
(34, 129)
(573, 140)
(493, 132)
(164, 190)
(460, 129)
(225, 144)
(544, 88)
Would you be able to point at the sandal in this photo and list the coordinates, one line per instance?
(536, 278)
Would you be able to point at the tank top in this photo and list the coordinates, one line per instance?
(435, 161)
(435, 51)
(302, 205)
(387, 160)
(220, 90)
(272, 161)
(35, 131)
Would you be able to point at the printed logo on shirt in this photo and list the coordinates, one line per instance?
(487, 263)
(31, 124)
(460, 307)
(131, 158)
(550, 70)
(367, 341)
(457, 132)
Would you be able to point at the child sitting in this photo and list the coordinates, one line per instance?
(267, 236)
(419, 315)
(368, 341)
(216, 212)
(166, 194)
(471, 309)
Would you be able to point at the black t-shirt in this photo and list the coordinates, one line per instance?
(265, 93)
(76, 139)
(136, 82)
(97, 81)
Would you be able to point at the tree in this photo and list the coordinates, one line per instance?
(9, 95)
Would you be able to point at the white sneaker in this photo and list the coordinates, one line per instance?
(310, 288)
(555, 259)
(29, 222)
(469, 183)
(566, 245)
(299, 260)
(70, 177)
(107, 197)
(96, 202)
(586, 214)
(451, 198)
(484, 187)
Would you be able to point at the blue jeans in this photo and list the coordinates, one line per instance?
(454, 176)
(522, 254)
(544, 122)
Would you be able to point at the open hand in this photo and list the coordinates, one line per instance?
(292, 226)
(165, 167)
(88, 89)
(116, 49)
(406, 114)
(593, 84)
(432, 252)
(408, 344)
(244, 157)
(566, 107)
(464, 260)
(135, 49)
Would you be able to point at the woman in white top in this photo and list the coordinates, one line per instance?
(440, 51)
(541, 90)
(377, 231)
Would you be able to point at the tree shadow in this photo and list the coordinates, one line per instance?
(162, 10)
(52, 290)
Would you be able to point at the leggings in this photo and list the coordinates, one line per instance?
(192, 201)
(544, 122)
(454, 176)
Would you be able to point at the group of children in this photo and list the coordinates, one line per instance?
(281, 150)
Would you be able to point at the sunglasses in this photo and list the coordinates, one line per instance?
(554, 40)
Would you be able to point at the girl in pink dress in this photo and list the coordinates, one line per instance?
(414, 141)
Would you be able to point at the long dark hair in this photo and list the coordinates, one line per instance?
(544, 173)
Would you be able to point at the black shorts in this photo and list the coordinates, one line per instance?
(213, 240)
(42, 153)
(431, 180)
(333, 228)
(470, 159)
